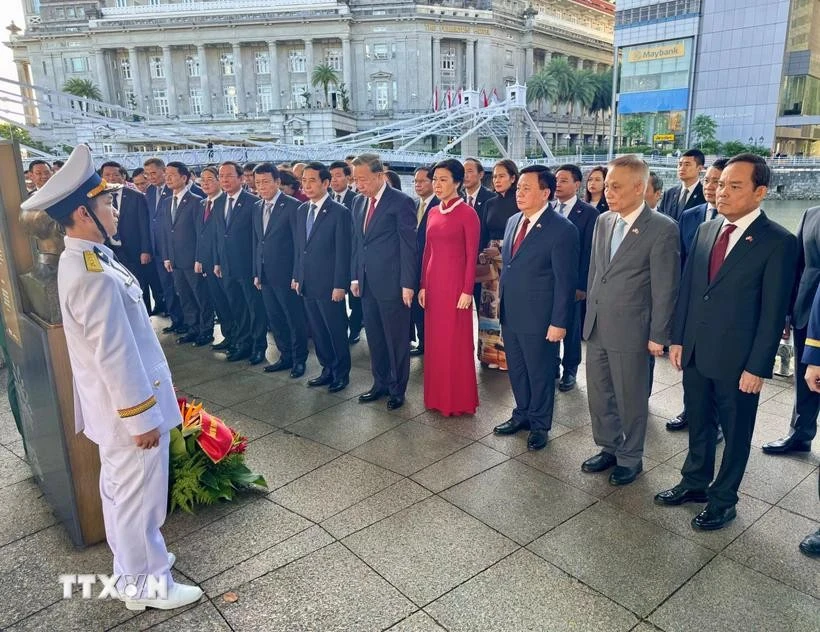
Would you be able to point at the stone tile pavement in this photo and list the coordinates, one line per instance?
(409, 521)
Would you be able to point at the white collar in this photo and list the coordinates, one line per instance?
(633, 216)
(426, 201)
(534, 219)
(692, 188)
(79, 245)
(472, 194)
(568, 205)
(272, 201)
(379, 195)
(321, 202)
(744, 222)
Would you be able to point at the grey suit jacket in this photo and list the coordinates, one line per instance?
(631, 299)
(808, 268)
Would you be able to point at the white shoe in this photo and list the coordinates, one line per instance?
(178, 595)
(172, 559)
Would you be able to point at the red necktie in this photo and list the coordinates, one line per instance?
(370, 212)
(719, 251)
(207, 210)
(521, 234)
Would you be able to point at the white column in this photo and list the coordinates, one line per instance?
(238, 77)
(347, 64)
(275, 88)
(471, 81)
(102, 74)
(529, 63)
(435, 73)
(170, 86)
(580, 64)
(309, 66)
(204, 76)
(136, 81)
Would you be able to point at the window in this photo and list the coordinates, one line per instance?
(130, 99)
(296, 61)
(448, 62)
(262, 63)
(264, 99)
(298, 139)
(70, 12)
(508, 58)
(108, 148)
(195, 95)
(226, 62)
(157, 69)
(382, 96)
(296, 91)
(122, 3)
(333, 58)
(231, 104)
(380, 52)
(192, 64)
(77, 64)
(161, 106)
(125, 69)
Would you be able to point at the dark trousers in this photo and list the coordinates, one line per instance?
(417, 323)
(572, 343)
(195, 301)
(529, 358)
(477, 299)
(328, 325)
(149, 282)
(169, 295)
(220, 302)
(387, 324)
(287, 320)
(708, 401)
(250, 326)
(355, 321)
(806, 402)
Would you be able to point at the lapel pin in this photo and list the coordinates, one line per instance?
(538, 225)
(750, 239)
(636, 231)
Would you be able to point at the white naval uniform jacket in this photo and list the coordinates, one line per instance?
(122, 382)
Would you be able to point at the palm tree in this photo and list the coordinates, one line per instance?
(323, 75)
(561, 73)
(541, 87)
(602, 101)
(582, 92)
(84, 88)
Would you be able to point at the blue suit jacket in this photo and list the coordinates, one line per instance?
(179, 237)
(538, 284)
(153, 196)
(811, 353)
(322, 261)
(688, 226)
(233, 240)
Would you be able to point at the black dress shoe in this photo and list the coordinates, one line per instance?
(298, 370)
(599, 463)
(623, 475)
(371, 396)
(784, 445)
(338, 385)
(322, 380)
(713, 518)
(537, 440)
(567, 382)
(395, 402)
(187, 338)
(353, 338)
(170, 329)
(257, 357)
(511, 426)
(811, 544)
(279, 365)
(225, 345)
(238, 354)
(678, 495)
(203, 341)
(678, 423)
(417, 351)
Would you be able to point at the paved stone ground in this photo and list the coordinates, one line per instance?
(409, 521)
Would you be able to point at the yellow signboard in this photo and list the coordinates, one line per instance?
(664, 51)
(664, 138)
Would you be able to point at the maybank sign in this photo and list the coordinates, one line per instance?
(664, 51)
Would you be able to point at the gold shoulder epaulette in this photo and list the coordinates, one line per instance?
(92, 261)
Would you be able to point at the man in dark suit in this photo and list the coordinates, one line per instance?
(385, 275)
(154, 170)
(476, 195)
(178, 253)
(806, 402)
(274, 227)
(567, 180)
(341, 193)
(634, 273)
(539, 279)
(654, 192)
(233, 263)
(321, 274)
(133, 229)
(728, 320)
(689, 192)
(688, 225)
(423, 186)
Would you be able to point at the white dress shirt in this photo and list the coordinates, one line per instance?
(567, 206)
(742, 226)
(533, 221)
(632, 217)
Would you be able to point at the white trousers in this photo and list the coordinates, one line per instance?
(134, 491)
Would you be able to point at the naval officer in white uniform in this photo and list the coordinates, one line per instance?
(124, 400)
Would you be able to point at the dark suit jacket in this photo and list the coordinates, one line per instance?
(669, 202)
(584, 216)
(734, 323)
(205, 236)
(347, 200)
(537, 287)
(688, 226)
(811, 353)
(385, 258)
(196, 190)
(807, 276)
(178, 243)
(322, 262)
(481, 198)
(153, 196)
(273, 248)
(133, 228)
(421, 231)
(233, 241)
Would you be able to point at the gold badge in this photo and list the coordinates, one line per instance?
(92, 261)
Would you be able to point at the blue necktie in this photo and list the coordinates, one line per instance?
(310, 219)
(617, 237)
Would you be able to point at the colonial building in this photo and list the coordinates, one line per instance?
(248, 65)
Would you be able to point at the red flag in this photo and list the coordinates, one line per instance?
(484, 100)
(215, 438)
(435, 99)
(449, 99)
(494, 96)
(459, 98)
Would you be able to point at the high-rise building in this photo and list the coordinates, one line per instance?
(752, 66)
